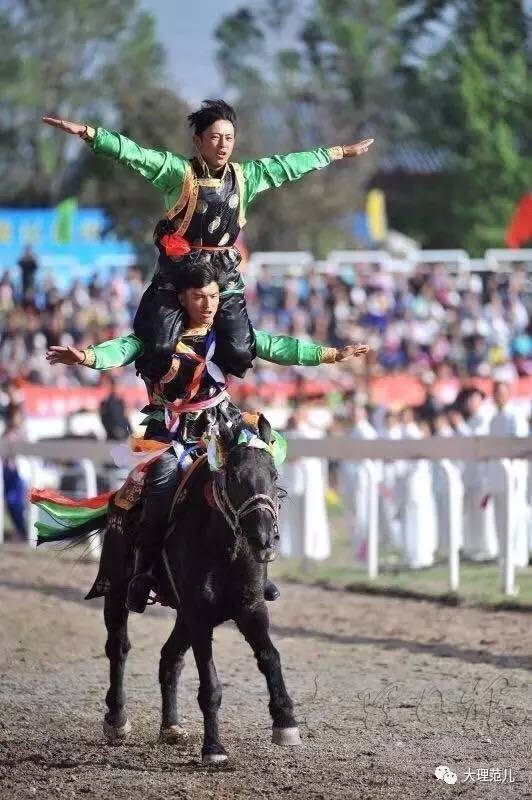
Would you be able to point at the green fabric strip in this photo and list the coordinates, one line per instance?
(69, 516)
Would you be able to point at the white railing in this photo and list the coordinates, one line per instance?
(92, 454)
(279, 264)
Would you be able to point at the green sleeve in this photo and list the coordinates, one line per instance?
(161, 168)
(286, 350)
(272, 172)
(116, 352)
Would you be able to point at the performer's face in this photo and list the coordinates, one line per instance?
(216, 143)
(201, 304)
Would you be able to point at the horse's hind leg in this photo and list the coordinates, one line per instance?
(116, 726)
(170, 668)
(209, 695)
(254, 624)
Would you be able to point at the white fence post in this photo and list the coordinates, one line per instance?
(454, 542)
(94, 548)
(35, 465)
(373, 527)
(507, 559)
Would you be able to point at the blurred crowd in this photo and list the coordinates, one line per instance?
(463, 325)
(429, 322)
(35, 314)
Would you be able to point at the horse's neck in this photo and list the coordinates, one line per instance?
(227, 549)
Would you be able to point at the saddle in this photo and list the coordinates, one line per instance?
(120, 533)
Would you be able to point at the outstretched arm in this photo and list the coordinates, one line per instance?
(165, 170)
(272, 172)
(107, 355)
(278, 349)
(288, 351)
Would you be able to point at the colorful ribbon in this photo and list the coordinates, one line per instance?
(249, 438)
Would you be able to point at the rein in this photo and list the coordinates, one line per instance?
(232, 515)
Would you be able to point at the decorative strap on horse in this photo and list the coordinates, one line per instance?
(232, 515)
(248, 438)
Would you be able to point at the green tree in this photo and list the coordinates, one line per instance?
(471, 98)
(96, 61)
(309, 80)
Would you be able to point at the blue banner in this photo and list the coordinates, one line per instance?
(68, 251)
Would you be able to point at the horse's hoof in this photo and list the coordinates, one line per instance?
(286, 737)
(214, 758)
(116, 735)
(173, 734)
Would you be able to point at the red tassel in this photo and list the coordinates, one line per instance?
(174, 245)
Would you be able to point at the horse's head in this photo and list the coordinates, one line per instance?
(249, 486)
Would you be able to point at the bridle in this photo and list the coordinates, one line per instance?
(232, 515)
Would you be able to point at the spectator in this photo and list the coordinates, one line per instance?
(480, 541)
(354, 483)
(431, 406)
(28, 268)
(113, 414)
(507, 421)
(14, 486)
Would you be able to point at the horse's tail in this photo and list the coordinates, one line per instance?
(65, 520)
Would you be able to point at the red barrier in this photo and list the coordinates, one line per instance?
(391, 391)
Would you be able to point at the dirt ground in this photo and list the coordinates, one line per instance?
(385, 691)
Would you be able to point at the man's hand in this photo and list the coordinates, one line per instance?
(352, 351)
(357, 149)
(76, 128)
(64, 355)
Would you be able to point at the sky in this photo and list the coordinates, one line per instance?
(186, 28)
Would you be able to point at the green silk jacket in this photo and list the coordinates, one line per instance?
(284, 350)
(172, 173)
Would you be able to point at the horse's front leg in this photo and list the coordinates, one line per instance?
(170, 668)
(116, 725)
(209, 694)
(254, 624)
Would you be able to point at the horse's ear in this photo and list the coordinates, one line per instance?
(226, 434)
(265, 429)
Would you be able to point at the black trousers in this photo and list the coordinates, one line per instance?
(162, 480)
(159, 320)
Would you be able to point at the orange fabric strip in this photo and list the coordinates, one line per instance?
(54, 497)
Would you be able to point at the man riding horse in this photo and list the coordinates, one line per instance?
(186, 404)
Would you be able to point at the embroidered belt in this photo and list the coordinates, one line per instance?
(175, 245)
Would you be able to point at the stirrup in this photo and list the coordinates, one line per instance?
(271, 592)
(138, 592)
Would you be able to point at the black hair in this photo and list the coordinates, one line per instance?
(209, 113)
(198, 275)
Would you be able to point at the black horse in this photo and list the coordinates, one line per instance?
(213, 567)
